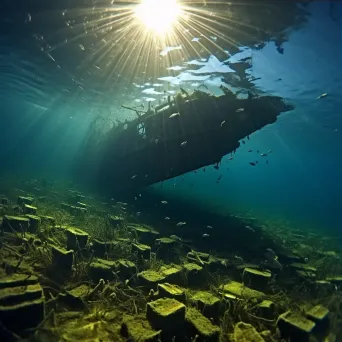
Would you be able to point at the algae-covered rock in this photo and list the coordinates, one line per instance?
(241, 291)
(167, 250)
(62, 258)
(166, 314)
(171, 291)
(21, 302)
(202, 326)
(48, 219)
(320, 315)
(266, 309)
(256, 279)
(207, 303)
(194, 273)
(126, 268)
(24, 200)
(29, 209)
(146, 235)
(114, 220)
(15, 223)
(150, 279)
(172, 274)
(34, 223)
(143, 251)
(244, 332)
(138, 329)
(295, 327)
(76, 238)
(98, 270)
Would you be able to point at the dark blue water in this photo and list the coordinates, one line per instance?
(50, 92)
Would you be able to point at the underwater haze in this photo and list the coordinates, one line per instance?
(51, 90)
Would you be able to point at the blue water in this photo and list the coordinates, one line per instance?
(47, 107)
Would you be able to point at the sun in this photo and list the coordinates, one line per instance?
(159, 16)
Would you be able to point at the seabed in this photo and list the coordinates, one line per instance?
(78, 268)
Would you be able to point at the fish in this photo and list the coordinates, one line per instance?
(180, 224)
(321, 96)
(174, 115)
(209, 227)
(176, 238)
(138, 213)
(263, 154)
(223, 122)
(205, 235)
(250, 150)
(256, 162)
(252, 163)
(250, 228)
(163, 202)
(134, 176)
(257, 151)
(167, 218)
(240, 110)
(243, 142)
(266, 161)
(183, 143)
(216, 167)
(219, 177)
(230, 158)
(269, 151)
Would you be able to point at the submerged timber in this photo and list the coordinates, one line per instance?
(189, 132)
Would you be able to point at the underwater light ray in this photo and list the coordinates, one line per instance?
(126, 55)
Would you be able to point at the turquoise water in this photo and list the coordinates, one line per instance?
(48, 105)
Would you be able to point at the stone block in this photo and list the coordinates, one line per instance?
(207, 303)
(256, 279)
(62, 258)
(150, 279)
(145, 235)
(320, 315)
(76, 238)
(166, 314)
(172, 274)
(201, 326)
(239, 290)
(98, 270)
(15, 223)
(126, 268)
(244, 332)
(29, 209)
(266, 309)
(167, 290)
(21, 302)
(194, 274)
(295, 327)
(35, 222)
(24, 200)
(138, 329)
(142, 251)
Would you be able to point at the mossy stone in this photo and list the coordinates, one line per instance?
(171, 291)
(256, 279)
(16, 223)
(62, 258)
(150, 279)
(194, 273)
(202, 326)
(207, 303)
(244, 332)
(76, 238)
(35, 222)
(138, 329)
(24, 200)
(126, 268)
(241, 291)
(166, 314)
(172, 274)
(143, 251)
(295, 326)
(29, 209)
(99, 271)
